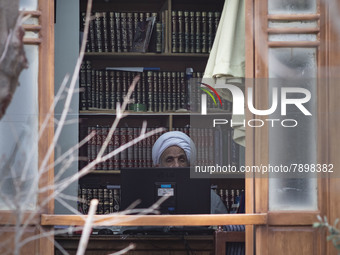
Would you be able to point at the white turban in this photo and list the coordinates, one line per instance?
(170, 139)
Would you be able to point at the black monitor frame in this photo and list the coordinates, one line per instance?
(188, 195)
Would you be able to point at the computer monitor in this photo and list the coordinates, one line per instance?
(186, 195)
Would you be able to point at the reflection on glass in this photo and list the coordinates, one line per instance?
(28, 5)
(292, 37)
(293, 68)
(295, 24)
(18, 136)
(291, 6)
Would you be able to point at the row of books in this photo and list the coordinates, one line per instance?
(156, 91)
(193, 31)
(115, 31)
(138, 155)
(214, 146)
(209, 151)
(233, 199)
(109, 199)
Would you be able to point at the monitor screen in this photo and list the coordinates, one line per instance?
(186, 195)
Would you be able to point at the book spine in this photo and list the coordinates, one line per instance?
(124, 85)
(211, 33)
(107, 90)
(192, 34)
(112, 30)
(104, 131)
(186, 32)
(118, 32)
(97, 89)
(119, 87)
(178, 90)
(106, 42)
(98, 32)
(155, 91)
(135, 149)
(106, 203)
(79, 200)
(160, 91)
(134, 94)
(135, 22)
(100, 208)
(99, 142)
(169, 91)
(184, 95)
(141, 17)
(83, 95)
(110, 148)
(112, 84)
(89, 147)
(111, 201)
(124, 32)
(93, 144)
(82, 24)
(123, 140)
(153, 37)
(148, 150)
(130, 30)
(101, 90)
(89, 83)
(130, 155)
(144, 153)
(165, 91)
(159, 37)
(92, 35)
(204, 33)
(217, 16)
(174, 31)
(174, 90)
(143, 88)
(116, 200)
(150, 91)
(140, 147)
(138, 90)
(198, 33)
(165, 30)
(116, 144)
(85, 207)
(180, 19)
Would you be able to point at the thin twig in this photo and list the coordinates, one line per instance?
(87, 228)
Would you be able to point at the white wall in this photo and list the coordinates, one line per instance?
(66, 53)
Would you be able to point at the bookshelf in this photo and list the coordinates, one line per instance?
(167, 107)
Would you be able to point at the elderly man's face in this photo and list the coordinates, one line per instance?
(174, 156)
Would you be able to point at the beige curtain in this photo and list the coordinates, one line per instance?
(226, 62)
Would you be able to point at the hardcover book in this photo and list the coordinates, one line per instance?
(142, 35)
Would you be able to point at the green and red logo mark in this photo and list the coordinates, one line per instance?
(209, 93)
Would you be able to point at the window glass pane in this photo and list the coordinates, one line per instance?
(291, 37)
(295, 24)
(28, 5)
(291, 6)
(19, 140)
(293, 145)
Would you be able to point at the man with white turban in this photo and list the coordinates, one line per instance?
(176, 149)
